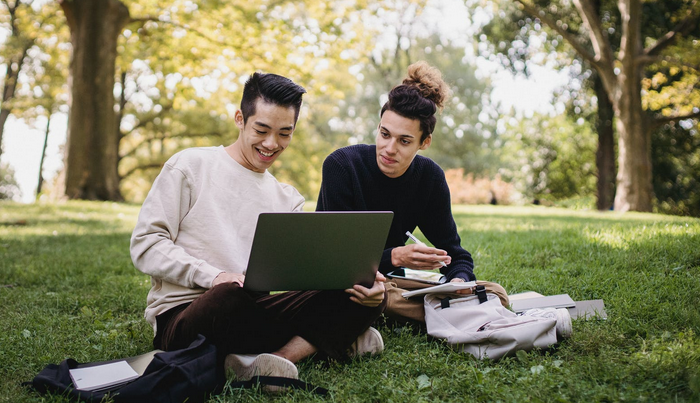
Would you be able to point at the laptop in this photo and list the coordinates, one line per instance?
(296, 251)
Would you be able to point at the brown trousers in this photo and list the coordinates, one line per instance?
(401, 309)
(243, 322)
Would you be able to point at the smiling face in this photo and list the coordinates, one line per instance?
(398, 142)
(264, 136)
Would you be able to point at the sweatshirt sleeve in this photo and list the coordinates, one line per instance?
(153, 248)
(438, 225)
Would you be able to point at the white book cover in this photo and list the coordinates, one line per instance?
(102, 376)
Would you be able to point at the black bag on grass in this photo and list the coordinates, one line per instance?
(172, 377)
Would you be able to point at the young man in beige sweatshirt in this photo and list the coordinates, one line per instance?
(193, 237)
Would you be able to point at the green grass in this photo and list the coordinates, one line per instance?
(68, 289)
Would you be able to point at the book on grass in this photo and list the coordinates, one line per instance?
(104, 376)
(550, 301)
(589, 309)
(446, 288)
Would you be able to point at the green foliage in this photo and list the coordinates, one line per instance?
(676, 157)
(69, 290)
(9, 188)
(549, 158)
(185, 93)
(39, 31)
(465, 130)
(669, 89)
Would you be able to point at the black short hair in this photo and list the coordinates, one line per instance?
(273, 89)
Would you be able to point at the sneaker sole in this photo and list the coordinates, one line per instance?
(263, 365)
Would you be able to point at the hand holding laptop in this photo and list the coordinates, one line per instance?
(370, 297)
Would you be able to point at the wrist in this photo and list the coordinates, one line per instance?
(394, 260)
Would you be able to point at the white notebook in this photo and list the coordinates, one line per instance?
(103, 376)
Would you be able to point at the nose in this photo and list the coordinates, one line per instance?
(390, 147)
(270, 141)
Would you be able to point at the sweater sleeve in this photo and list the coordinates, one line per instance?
(153, 248)
(336, 192)
(438, 225)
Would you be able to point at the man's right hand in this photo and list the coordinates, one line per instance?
(225, 277)
(419, 257)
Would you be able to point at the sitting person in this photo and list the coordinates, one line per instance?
(194, 235)
(392, 176)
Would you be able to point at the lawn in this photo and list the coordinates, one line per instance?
(69, 289)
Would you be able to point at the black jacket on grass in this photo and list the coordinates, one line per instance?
(352, 181)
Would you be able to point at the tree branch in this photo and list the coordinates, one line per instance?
(202, 35)
(141, 168)
(145, 121)
(598, 36)
(164, 137)
(660, 121)
(670, 59)
(573, 41)
(683, 28)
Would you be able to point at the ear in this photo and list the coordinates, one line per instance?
(426, 143)
(238, 118)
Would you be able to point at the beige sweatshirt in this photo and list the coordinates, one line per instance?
(198, 220)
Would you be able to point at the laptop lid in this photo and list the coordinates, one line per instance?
(295, 251)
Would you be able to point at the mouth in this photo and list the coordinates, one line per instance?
(265, 154)
(387, 160)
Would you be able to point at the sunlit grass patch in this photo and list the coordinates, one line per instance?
(68, 289)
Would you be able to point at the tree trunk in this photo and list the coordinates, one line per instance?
(92, 145)
(605, 155)
(43, 156)
(14, 66)
(634, 184)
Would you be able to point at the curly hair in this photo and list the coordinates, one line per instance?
(419, 96)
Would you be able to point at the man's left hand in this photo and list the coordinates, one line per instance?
(369, 297)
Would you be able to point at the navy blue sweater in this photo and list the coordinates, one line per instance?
(419, 198)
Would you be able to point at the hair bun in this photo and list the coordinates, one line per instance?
(429, 82)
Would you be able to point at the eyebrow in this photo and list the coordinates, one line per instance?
(269, 127)
(400, 135)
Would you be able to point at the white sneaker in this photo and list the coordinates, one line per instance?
(369, 342)
(246, 366)
(561, 315)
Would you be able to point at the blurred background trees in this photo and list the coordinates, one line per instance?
(619, 44)
(160, 76)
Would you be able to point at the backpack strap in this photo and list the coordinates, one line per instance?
(445, 302)
(480, 292)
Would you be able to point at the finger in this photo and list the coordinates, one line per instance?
(361, 295)
(464, 291)
(361, 290)
(379, 277)
(430, 250)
